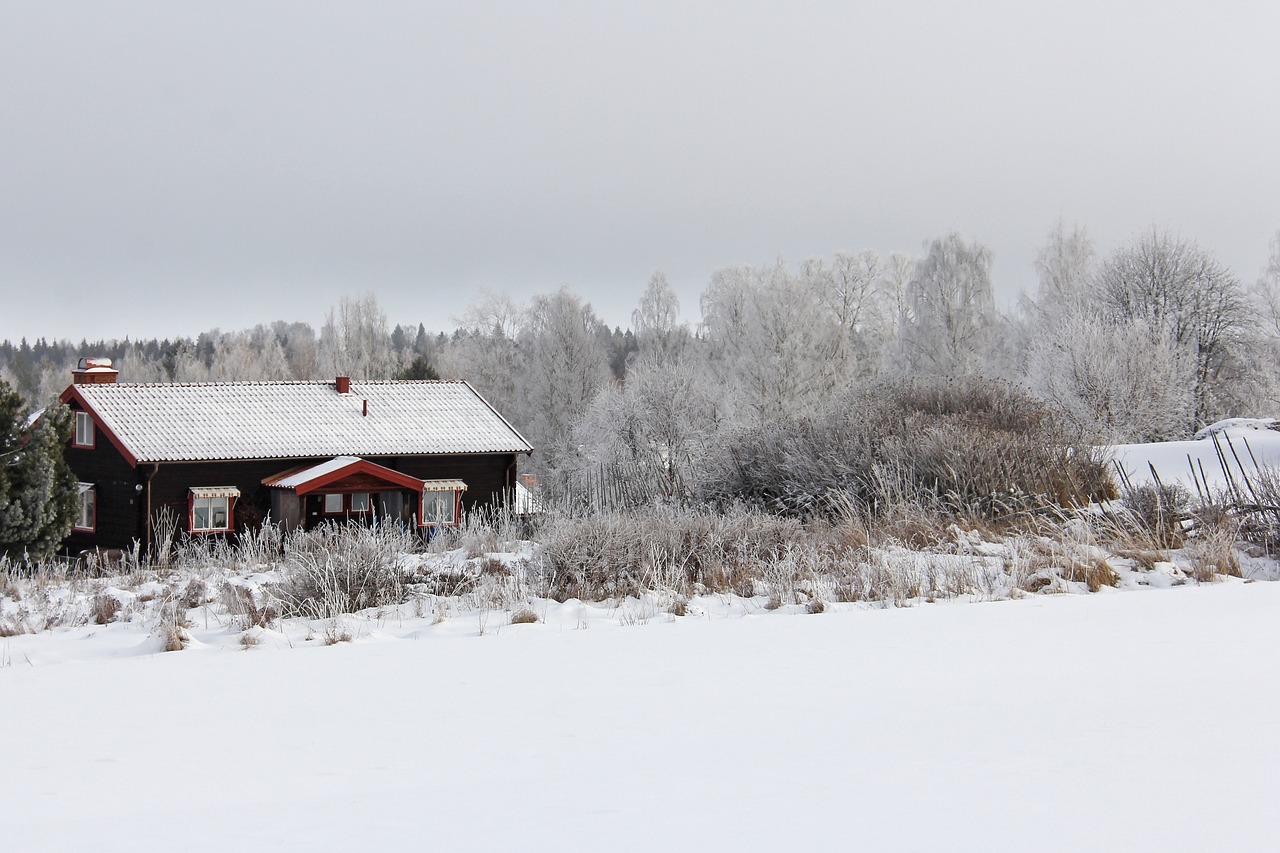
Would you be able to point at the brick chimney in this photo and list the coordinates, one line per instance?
(94, 371)
(343, 384)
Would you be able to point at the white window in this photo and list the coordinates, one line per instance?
(439, 506)
(87, 507)
(84, 429)
(440, 502)
(333, 505)
(208, 514)
(211, 508)
(360, 502)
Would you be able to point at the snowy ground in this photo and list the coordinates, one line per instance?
(1131, 719)
(1245, 445)
(1139, 717)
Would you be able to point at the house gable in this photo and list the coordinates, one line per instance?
(343, 474)
(73, 398)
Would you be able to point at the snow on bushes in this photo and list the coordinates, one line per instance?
(973, 445)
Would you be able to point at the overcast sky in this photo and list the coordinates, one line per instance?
(169, 167)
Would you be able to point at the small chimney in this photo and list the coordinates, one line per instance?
(344, 384)
(94, 371)
(366, 408)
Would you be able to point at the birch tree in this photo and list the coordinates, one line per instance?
(950, 309)
(1181, 293)
(658, 424)
(656, 322)
(355, 340)
(563, 365)
(1065, 267)
(770, 342)
(483, 350)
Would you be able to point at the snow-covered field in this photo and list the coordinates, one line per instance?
(1018, 712)
(1131, 719)
(1244, 445)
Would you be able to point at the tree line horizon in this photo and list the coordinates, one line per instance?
(1149, 342)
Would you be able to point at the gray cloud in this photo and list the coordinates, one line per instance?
(172, 167)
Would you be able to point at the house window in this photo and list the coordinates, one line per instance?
(441, 500)
(84, 430)
(439, 506)
(211, 508)
(357, 503)
(86, 508)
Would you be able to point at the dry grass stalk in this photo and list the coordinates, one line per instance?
(1213, 554)
(105, 608)
(524, 616)
(1094, 573)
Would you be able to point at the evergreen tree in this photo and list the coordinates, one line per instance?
(37, 489)
(419, 368)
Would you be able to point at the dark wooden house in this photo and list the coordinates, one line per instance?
(223, 457)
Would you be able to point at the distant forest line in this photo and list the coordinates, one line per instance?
(1149, 342)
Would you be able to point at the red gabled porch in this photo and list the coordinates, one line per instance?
(348, 488)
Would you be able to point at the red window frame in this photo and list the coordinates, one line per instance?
(93, 516)
(457, 509)
(93, 430)
(201, 531)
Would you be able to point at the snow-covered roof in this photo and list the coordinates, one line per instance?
(290, 420)
(302, 476)
(526, 502)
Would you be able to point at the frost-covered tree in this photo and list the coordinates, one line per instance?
(656, 322)
(1264, 351)
(1183, 294)
(1065, 267)
(37, 489)
(52, 378)
(657, 425)
(950, 311)
(847, 287)
(483, 351)
(255, 355)
(1111, 382)
(898, 270)
(301, 350)
(135, 366)
(770, 342)
(659, 308)
(563, 365)
(1264, 296)
(857, 291)
(355, 340)
(188, 363)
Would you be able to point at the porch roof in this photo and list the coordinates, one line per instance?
(311, 478)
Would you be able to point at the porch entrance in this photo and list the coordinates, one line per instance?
(344, 489)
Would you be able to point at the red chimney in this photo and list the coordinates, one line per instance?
(344, 384)
(94, 371)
